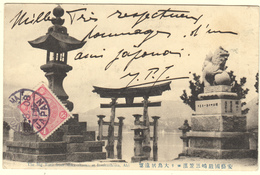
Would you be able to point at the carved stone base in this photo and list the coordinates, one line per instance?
(219, 140)
(218, 128)
(218, 88)
(227, 123)
(221, 153)
(219, 145)
(218, 95)
(218, 106)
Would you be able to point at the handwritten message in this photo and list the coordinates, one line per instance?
(139, 26)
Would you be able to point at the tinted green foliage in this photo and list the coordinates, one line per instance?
(196, 87)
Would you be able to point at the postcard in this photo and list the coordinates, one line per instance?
(156, 87)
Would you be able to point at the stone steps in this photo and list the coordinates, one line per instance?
(57, 136)
(36, 151)
(74, 129)
(54, 151)
(73, 138)
(71, 143)
(73, 120)
(86, 136)
(89, 135)
(37, 148)
(36, 145)
(85, 156)
(87, 146)
(23, 157)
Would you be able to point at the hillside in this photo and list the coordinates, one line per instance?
(172, 113)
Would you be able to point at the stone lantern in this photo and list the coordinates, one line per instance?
(57, 43)
(185, 128)
(71, 142)
(139, 138)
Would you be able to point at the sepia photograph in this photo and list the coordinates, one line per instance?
(112, 86)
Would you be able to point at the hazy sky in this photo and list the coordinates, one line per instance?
(167, 33)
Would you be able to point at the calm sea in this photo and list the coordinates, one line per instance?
(169, 146)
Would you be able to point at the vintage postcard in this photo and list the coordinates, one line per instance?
(130, 87)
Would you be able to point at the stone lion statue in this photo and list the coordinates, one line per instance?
(213, 70)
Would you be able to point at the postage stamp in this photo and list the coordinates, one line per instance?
(42, 112)
(41, 109)
(150, 87)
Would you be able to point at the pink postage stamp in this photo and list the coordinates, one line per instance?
(44, 111)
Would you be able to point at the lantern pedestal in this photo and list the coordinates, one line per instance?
(71, 142)
(55, 73)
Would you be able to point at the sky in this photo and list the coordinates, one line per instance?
(186, 35)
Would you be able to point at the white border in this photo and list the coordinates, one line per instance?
(117, 172)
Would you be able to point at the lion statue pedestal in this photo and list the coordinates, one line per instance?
(219, 130)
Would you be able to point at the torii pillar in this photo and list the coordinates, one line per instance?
(146, 145)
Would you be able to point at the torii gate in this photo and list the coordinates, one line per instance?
(129, 93)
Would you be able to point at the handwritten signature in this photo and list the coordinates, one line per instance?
(152, 73)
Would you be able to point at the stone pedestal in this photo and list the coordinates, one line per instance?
(55, 73)
(30, 148)
(219, 130)
(138, 149)
(70, 143)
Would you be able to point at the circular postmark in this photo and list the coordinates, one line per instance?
(28, 111)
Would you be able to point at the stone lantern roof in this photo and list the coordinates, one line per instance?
(57, 38)
(139, 127)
